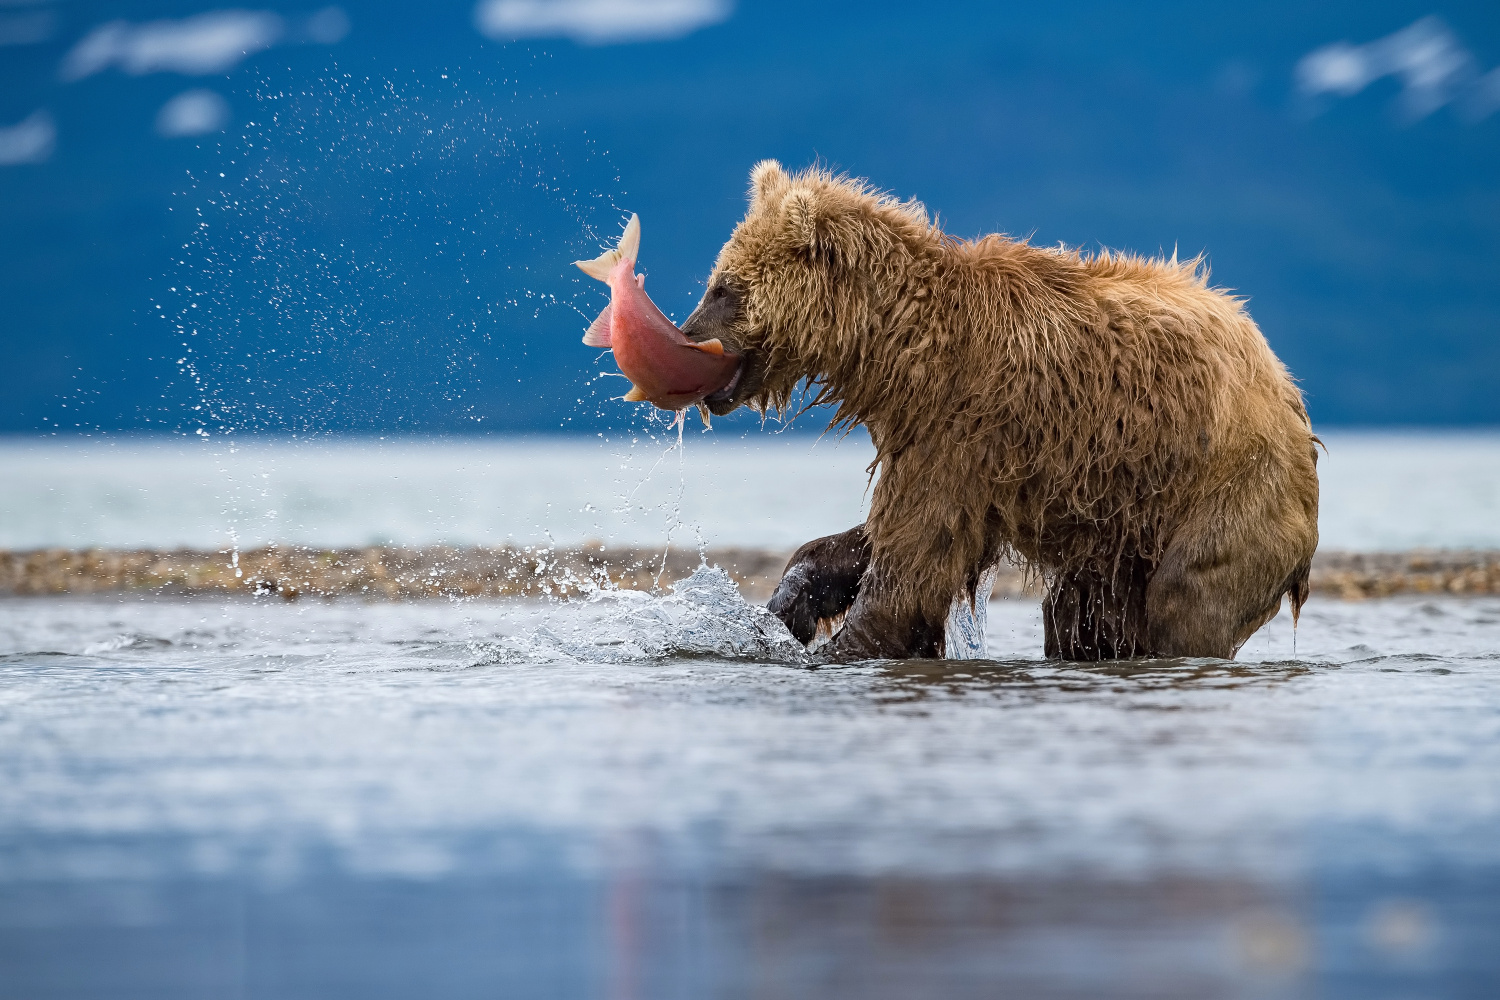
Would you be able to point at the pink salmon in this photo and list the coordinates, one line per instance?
(664, 367)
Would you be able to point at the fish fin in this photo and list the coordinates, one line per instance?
(600, 266)
(598, 331)
(635, 395)
(714, 346)
(707, 417)
(640, 281)
(630, 241)
(629, 246)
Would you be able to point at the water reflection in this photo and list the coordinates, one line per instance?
(918, 679)
(650, 933)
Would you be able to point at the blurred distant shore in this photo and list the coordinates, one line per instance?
(400, 573)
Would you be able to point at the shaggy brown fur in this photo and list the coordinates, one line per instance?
(1110, 420)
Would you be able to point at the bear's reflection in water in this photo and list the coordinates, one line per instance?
(645, 934)
(920, 678)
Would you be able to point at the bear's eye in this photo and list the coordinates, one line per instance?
(716, 292)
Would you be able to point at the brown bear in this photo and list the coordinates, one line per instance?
(1108, 421)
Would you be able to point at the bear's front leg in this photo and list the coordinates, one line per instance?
(878, 627)
(821, 581)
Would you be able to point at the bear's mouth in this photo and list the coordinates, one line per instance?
(716, 318)
(723, 395)
(741, 385)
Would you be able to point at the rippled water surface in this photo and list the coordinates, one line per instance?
(659, 797)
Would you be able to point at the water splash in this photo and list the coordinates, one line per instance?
(704, 616)
(967, 620)
(363, 255)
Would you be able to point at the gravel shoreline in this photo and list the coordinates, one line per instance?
(395, 573)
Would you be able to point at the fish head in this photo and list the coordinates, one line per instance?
(666, 367)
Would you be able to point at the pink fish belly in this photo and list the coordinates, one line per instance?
(672, 375)
(655, 356)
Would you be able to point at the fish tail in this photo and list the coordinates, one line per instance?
(630, 240)
(628, 247)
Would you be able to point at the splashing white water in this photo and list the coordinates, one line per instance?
(703, 616)
(967, 620)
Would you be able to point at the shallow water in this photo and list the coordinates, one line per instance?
(645, 797)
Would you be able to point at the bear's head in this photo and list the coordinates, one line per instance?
(811, 270)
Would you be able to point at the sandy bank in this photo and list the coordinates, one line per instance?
(435, 571)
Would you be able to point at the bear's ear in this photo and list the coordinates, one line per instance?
(767, 183)
(802, 221)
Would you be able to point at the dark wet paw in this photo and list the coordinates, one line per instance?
(821, 582)
(793, 604)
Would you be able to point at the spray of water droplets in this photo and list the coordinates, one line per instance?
(376, 253)
(704, 616)
(385, 253)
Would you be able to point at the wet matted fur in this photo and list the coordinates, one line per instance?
(1109, 420)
